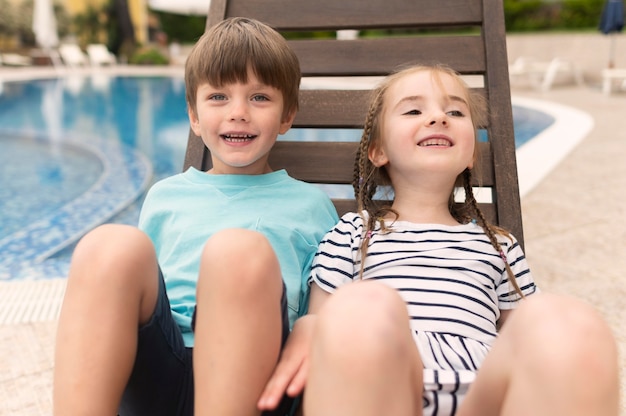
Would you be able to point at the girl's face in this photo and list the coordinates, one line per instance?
(426, 128)
(239, 123)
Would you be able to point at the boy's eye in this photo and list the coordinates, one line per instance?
(260, 98)
(456, 113)
(217, 97)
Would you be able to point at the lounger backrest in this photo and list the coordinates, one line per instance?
(468, 35)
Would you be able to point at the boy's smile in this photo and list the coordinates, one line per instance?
(239, 123)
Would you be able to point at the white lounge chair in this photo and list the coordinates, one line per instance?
(610, 75)
(99, 55)
(14, 59)
(542, 74)
(72, 55)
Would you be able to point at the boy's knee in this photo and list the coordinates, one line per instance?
(111, 237)
(240, 257)
(113, 246)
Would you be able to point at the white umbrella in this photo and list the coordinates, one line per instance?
(185, 7)
(45, 24)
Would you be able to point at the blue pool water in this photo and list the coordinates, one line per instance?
(76, 152)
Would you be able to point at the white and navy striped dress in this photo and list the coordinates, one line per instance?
(453, 282)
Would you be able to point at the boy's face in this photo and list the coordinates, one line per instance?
(239, 123)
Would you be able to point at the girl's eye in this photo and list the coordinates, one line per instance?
(456, 113)
(413, 112)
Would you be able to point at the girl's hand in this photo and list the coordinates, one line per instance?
(293, 367)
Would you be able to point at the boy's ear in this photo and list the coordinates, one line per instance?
(287, 121)
(377, 156)
(193, 121)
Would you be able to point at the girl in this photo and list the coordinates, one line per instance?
(460, 349)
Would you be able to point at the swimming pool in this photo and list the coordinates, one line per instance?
(81, 150)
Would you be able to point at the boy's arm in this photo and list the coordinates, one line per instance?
(292, 369)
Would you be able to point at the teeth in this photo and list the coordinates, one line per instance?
(435, 142)
(238, 137)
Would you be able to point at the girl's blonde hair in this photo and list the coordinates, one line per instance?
(368, 178)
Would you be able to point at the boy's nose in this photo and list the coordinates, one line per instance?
(238, 111)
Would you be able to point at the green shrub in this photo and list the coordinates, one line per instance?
(148, 56)
(542, 15)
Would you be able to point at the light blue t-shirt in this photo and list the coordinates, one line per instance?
(181, 212)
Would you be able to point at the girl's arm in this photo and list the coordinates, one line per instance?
(504, 315)
(293, 367)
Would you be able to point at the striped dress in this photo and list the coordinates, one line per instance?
(453, 282)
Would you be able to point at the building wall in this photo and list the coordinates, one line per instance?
(138, 13)
(589, 51)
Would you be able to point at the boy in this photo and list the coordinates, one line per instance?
(203, 275)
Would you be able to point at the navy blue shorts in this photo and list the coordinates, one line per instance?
(161, 382)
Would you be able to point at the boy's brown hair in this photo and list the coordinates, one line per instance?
(226, 52)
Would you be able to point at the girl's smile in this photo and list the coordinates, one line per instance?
(426, 129)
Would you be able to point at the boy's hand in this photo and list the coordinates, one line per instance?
(293, 367)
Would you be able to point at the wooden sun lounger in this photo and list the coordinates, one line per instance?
(468, 35)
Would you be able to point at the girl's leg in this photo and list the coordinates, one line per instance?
(364, 360)
(112, 288)
(555, 356)
(238, 323)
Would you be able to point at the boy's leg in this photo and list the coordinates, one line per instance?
(112, 289)
(238, 326)
(161, 383)
(364, 360)
(554, 356)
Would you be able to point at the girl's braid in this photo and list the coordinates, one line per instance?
(490, 230)
(365, 177)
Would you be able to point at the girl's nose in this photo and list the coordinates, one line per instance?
(438, 118)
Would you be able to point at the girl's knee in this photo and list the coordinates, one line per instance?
(367, 316)
(570, 332)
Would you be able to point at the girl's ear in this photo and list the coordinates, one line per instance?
(193, 121)
(287, 121)
(474, 155)
(377, 156)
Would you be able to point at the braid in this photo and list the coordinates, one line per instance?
(367, 177)
(490, 230)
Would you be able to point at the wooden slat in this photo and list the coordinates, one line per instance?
(337, 14)
(332, 108)
(349, 205)
(380, 56)
(328, 162)
(333, 162)
(335, 108)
